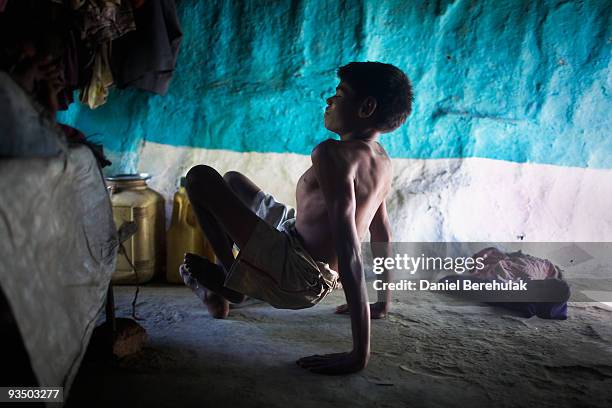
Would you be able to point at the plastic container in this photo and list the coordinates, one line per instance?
(184, 235)
(133, 200)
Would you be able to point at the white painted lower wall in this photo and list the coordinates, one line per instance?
(469, 199)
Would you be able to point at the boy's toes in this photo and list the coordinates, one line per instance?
(189, 257)
(184, 271)
(186, 275)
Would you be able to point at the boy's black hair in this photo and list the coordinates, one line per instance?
(385, 82)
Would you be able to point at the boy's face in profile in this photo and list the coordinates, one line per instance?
(341, 115)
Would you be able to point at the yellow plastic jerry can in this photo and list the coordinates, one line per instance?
(184, 235)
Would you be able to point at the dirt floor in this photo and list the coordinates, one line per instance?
(430, 352)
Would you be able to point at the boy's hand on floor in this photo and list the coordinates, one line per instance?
(378, 310)
(333, 364)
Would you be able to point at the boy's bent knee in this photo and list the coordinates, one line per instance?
(199, 174)
(235, 180)
(232, 176)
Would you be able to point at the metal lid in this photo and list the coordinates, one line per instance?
(129, 177)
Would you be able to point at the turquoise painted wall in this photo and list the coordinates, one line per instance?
(518, 80)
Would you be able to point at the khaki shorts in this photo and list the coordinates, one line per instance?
(274, 266)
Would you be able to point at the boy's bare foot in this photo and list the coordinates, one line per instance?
(217, 306)
(210, 276)
(191, 283)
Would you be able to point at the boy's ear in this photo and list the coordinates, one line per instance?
(368, 107)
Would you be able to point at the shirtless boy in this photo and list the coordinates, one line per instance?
(290, 260)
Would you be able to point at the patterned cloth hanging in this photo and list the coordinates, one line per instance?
(101, 22)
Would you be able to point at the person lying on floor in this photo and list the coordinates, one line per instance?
(545, 293)
(289, 258)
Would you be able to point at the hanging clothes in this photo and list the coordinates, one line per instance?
(75, 4)
(102, 22)
(95, 92)
(71, 72)
(137, 3)
(106, 20)
(146, 58)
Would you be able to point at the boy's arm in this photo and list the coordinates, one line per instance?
(336, 179)
(380, 242)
